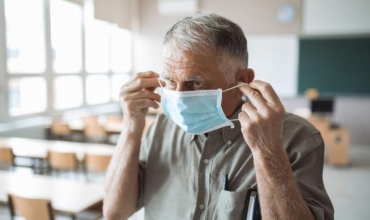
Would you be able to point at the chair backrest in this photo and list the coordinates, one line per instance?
(62, 160)
(30, 208)
(114, 119)
(91, 120)
(94, 131)
(60, 128)
(6, 155)
(96, 162)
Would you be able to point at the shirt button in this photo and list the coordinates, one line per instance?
(205, 161)
(229, 143)
(201, 206)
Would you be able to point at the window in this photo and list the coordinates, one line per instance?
(120, 50)
(66, 36)
(25, 36)
(97, 89)
(89, 59)
(117, 81)
(96, 42)
(26, 95)
(68, 92)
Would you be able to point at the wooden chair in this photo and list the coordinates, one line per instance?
(60, 130)
(66, 161)
(30, 208)
(91, 120)
(42, 209)
(96, 163)
(113, 119)
(95, 133)
(6, 157)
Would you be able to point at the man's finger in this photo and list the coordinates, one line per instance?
(254, 97)
(140, 84)
(266, 90)
(143, 94)
(142, 103)
(148, 74)
(250, 110)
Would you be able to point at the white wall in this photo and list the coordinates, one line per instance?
(274, 59)
(149, 39)
(330, 17)
(255, 17)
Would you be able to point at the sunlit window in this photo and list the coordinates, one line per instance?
(68, 92)
(97, 89)
(25, 37)
(117, 82)
(66, 36)
(26, 95)
(79, 44)
(97, 36)
(120, 50)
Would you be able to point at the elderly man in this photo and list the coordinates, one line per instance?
(177, 170)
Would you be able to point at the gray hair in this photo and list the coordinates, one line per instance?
(204, 31)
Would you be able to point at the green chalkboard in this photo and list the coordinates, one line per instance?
(338, 66)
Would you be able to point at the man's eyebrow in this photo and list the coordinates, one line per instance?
(167, 75)
(194, 78)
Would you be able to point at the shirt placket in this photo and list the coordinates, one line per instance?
(204, 173)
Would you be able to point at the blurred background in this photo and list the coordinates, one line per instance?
(62, 63)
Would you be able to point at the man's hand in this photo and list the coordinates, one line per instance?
(262, 121)
(122, 184)
(262, 118)
(136, 97)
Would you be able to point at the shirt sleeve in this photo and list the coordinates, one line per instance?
(143, 158)
(142, 165)
(307, 158)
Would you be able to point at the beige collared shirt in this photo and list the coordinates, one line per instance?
(181, 175)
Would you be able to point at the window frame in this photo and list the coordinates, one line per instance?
(49, 75)
(3, 66)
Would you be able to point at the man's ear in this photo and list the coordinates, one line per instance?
(245, 75)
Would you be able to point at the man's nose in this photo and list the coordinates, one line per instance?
(181, 87)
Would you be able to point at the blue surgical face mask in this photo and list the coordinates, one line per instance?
(196, 112)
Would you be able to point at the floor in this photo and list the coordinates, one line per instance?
(348, 188)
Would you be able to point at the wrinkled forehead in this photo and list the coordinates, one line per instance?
(188, 63)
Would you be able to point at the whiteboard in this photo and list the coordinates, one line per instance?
(274, 59)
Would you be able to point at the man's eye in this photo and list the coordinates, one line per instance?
(171, 81)
(198, 83)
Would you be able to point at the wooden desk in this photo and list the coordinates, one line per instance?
(76, 125)
(66, 196)
(32, 148)
(116, 128)
(337, 140)
(38, 150)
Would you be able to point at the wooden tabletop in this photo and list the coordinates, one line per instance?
(33, 148)
(66, 196)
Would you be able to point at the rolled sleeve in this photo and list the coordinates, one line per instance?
(307, 165)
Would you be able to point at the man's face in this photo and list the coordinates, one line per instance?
(188, 71)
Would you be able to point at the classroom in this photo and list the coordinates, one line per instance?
(184, 109)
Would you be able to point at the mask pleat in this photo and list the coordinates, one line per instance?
(195, 111)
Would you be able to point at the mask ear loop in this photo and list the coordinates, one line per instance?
(234, 87)
(160, 83)
(231, 89)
